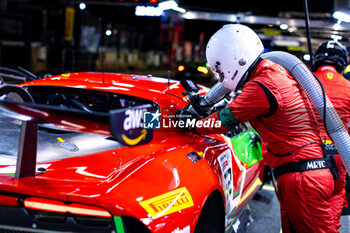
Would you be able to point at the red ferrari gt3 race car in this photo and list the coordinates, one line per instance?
(100, 152)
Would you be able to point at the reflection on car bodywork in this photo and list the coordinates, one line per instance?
(163, 182)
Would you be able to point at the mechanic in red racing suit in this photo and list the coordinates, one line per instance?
(279, 110)
(330, 60)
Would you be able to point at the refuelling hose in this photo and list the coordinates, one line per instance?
(313, 89)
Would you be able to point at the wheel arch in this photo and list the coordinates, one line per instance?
(212, 216)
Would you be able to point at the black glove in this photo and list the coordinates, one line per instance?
(197, 106)
(186, 120)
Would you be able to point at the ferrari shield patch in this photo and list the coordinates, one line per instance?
(168, 203)
(329, 75)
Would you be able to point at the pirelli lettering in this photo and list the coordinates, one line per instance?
(168, 203)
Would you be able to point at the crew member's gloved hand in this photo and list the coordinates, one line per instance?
(203, 111)
(188, 118)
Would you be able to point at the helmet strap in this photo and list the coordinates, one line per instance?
(248, 73)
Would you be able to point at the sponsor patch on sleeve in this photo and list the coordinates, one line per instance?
(329, 75)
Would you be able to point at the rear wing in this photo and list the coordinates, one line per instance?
(109, 124)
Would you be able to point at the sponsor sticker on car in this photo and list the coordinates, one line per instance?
(126, 126)
(186, 229)
(225, 161)
(168, 203)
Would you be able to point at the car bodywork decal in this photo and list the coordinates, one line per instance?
(186, 229)
(118, 222)
(233, 200)
(168, 203)
(246, 149)
(126, 126)
(225, 161)
(133, 142)
(251, 189)
(193, 156)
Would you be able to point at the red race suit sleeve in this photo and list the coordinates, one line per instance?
(250, 104)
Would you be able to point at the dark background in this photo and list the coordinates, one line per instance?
(32, 32)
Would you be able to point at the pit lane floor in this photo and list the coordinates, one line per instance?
(266, 213)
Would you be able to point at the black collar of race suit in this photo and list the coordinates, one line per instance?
(249, 72)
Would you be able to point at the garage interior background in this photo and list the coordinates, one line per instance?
(139, 36)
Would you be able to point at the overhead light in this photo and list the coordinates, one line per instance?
(292, 29)
(181, 68)
(336, 37)
(306, 57)
(203, 15)
(180, 9)
(171, 5)
(284, 26)
(341, 17)
(108, 32)
(203, 69)
(148, 11)
(337, 27)
(285, 43)
(82, 6)
(167, 5)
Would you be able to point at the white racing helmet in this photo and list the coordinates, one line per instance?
(231, 51)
